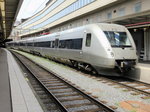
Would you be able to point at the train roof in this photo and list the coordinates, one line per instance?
(103, 26)
(111, 27)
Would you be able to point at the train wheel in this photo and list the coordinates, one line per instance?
(79, 66)
(94, 72)
(74, 63)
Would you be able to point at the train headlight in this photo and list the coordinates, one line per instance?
(112, 54)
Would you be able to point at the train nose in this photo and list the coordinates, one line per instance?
(125, 65)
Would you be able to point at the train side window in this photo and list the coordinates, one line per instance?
(88, 40)
(69, 44)
(77, 43)
(62, 43)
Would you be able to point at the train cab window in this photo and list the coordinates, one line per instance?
(118, 39)
(88, 40)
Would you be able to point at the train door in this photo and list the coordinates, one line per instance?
(56, 51)
(56, 43)
(87, 45)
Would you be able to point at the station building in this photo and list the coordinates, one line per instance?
(59, 15)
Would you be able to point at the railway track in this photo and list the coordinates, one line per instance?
(137, 87)
(45, 100)
(66, 96)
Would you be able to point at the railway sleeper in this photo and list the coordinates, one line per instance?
(56, 92)
(57, 87)
(51, 82)
(70, 99)
(92, 110)
(66, 95)
(78, 105)
(57, 84)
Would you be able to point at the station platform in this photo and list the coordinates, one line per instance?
(141, 72)
(15, 93)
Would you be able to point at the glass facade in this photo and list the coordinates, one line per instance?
(73, 7)
(109, 15)
(137, 7)
(121, 12)
(56, 4)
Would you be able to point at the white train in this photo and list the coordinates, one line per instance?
(107, 48)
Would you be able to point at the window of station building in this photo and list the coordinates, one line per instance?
(88, 40)
(109, 15)
(121, 12)
(73, 7)
(36, 18)
(137, 7)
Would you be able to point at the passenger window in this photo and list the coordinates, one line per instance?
(88, 40)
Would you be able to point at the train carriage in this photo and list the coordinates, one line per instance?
(101, 47)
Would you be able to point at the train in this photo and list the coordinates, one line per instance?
(107, 49)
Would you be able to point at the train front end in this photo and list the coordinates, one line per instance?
(123, 47)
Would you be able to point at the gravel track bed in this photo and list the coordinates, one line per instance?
(140, 87)
(113, 96)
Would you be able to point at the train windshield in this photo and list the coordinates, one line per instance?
(118, 39)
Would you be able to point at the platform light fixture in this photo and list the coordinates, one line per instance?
(135, 30)
(145, 29)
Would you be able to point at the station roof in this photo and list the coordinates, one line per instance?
(8, 12)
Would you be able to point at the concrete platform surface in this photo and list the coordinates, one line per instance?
(5, 96)
(22, 97)
(141, 73)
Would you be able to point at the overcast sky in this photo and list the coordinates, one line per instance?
(30, 7)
